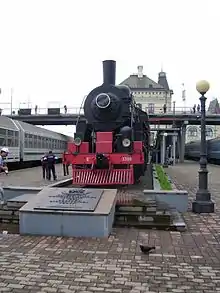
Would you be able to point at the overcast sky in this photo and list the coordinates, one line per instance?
(51, 51)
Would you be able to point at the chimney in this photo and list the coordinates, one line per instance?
(140, 71)
(109, 69)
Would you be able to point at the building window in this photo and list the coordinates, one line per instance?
(151, 108)
(193, 131)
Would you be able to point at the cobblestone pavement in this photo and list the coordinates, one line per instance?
(30, 177)
(182, 262)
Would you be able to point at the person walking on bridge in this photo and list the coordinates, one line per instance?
(51, 161)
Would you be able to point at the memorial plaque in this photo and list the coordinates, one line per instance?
(74, 199)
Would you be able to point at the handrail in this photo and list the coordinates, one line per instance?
(77, 110)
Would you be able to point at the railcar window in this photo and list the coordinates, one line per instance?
(26, 140)
(2, 131)
(57, 143)
(2, 141)
(47, 143)
(39, 139)
(44, 143)
(10, 133)
(50, 143)
(10, 142)
(30, 143)
(34, 141)
(16, 142)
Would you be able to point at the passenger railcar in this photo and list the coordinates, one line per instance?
(27, 143)
(35, 141)
(192, 150)
(10, 137)
(111, 144)
(214, 150)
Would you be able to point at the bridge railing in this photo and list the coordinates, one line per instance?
(78, 110)
(42, 111)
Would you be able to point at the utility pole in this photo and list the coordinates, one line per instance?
(28, 102)
(11, 100)
(184, 97)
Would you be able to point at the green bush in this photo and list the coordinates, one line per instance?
(163, 179)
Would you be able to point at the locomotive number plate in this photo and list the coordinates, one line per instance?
(89, 160)
(126, 159)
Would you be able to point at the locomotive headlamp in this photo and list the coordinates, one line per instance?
(126, 142)
(103, 101)
(77, 141)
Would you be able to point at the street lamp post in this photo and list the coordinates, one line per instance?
(165, 165)
(174, 108)
(203, 202)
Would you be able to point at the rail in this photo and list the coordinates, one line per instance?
(77, 110)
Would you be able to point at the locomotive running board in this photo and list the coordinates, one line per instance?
(103, 177)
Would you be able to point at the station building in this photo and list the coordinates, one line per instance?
(151, 96)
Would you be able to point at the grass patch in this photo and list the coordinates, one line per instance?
(162, 178)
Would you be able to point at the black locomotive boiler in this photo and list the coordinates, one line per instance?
(111, 144)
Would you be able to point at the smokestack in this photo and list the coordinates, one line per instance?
(109, 69)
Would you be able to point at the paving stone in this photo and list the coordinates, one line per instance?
(31, 177)
(183, 262)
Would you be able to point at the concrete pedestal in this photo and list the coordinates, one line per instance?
(34, 219)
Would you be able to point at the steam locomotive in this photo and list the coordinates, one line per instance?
(111, 142)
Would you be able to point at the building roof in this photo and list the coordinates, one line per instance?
(214, 107)
(135, 82)
(142, 82)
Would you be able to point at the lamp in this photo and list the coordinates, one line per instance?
(203, 202)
